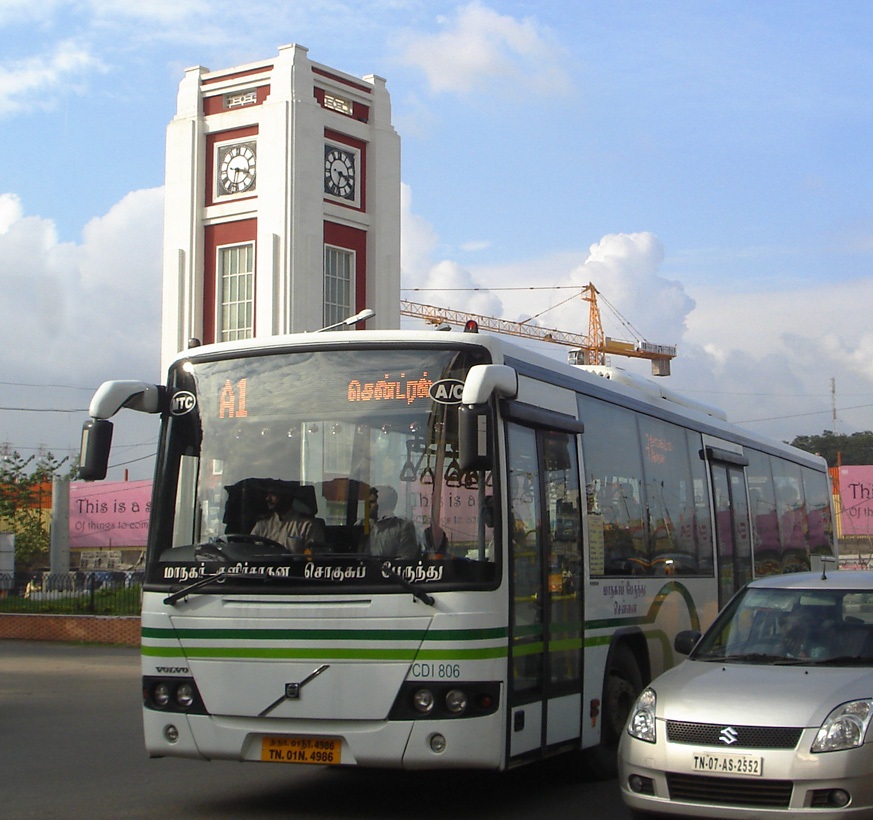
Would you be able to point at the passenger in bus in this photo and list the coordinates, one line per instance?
(287, 525)
(390, 536)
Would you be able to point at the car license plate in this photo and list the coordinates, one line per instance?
(322, 751)
(729, 764)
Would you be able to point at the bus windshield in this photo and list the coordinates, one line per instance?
(317, 467)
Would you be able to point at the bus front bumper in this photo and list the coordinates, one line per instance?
(413, 744)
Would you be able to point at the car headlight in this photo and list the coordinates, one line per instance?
(641, 723)
(845, 727)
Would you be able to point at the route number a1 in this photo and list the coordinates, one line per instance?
(232, 400)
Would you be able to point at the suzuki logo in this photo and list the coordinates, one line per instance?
(728, 736)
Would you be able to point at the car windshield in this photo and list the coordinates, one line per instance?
(319, 465)
(792, 626)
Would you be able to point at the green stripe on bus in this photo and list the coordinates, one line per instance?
(417, 635)
(313, 653)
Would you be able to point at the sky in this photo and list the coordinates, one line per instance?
(707, 165)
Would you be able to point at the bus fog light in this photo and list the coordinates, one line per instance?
(423, 701)
(162, 694)
(185, 695)
(456, 701)
(171, 733)
(437, 743)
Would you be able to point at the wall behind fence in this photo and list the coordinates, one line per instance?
(71, 628)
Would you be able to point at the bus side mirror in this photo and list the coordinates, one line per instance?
(474, 437)
(94, 453)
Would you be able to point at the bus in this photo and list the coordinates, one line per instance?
(568, 522)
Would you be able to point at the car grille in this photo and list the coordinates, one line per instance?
(748, 737)
(724, 791)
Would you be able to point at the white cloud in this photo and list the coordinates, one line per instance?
(766, 359)
(442, 283)
(10, 211)
(84, 311)
(479, 48)
(75, 315)
(36, 82)
(418, 241)
(625, 270)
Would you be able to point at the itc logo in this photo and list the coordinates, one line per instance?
(183, 402)
(728, 736)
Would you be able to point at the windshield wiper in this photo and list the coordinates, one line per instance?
(843, 660)
(218, 577)
(745, 657)
(418, 592)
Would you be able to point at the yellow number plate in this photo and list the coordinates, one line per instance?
(322, 751)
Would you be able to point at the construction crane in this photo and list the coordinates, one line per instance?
(587, 350)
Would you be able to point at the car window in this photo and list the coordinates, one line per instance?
(792, 626)
(858, 606)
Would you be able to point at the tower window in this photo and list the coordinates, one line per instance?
(236, 300)
(339, 297)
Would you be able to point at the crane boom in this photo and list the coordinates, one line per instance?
(588, 350)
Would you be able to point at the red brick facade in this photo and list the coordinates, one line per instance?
(71, 628)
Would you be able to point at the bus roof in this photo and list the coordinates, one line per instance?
(616, 384)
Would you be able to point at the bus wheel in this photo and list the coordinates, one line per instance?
(622, 684)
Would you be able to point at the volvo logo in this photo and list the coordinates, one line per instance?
(728, 736)
(292, 690)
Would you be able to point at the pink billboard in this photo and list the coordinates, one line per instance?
(856, 501)
(110, 514)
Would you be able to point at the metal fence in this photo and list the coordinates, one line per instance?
(72, 593)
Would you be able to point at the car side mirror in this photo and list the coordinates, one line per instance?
(686, 640)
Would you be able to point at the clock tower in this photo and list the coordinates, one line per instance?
(282, 202)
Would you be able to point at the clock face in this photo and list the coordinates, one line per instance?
(236, 168)
(339, 172)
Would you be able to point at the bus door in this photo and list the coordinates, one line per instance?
(733, 531)
(545, 557)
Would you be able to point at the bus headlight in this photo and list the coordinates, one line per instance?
(185, 695)
(423, 701)
(441, 700)
(162, 694)
(456, 701)
(172, 695)
(845, 727)
(641, 723)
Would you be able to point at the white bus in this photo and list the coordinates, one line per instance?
(568, 523)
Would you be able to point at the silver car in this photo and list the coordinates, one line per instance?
(770, 714)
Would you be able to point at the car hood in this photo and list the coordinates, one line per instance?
(752, 694)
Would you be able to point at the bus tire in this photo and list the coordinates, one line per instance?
(621, 685)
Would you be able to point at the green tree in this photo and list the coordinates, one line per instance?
(22, 504)
(852, 449)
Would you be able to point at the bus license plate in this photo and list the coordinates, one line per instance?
(321, 751)
(729, 764)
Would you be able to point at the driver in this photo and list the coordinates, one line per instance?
(285, 525)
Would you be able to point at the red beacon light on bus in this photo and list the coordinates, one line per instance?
(471, 326)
